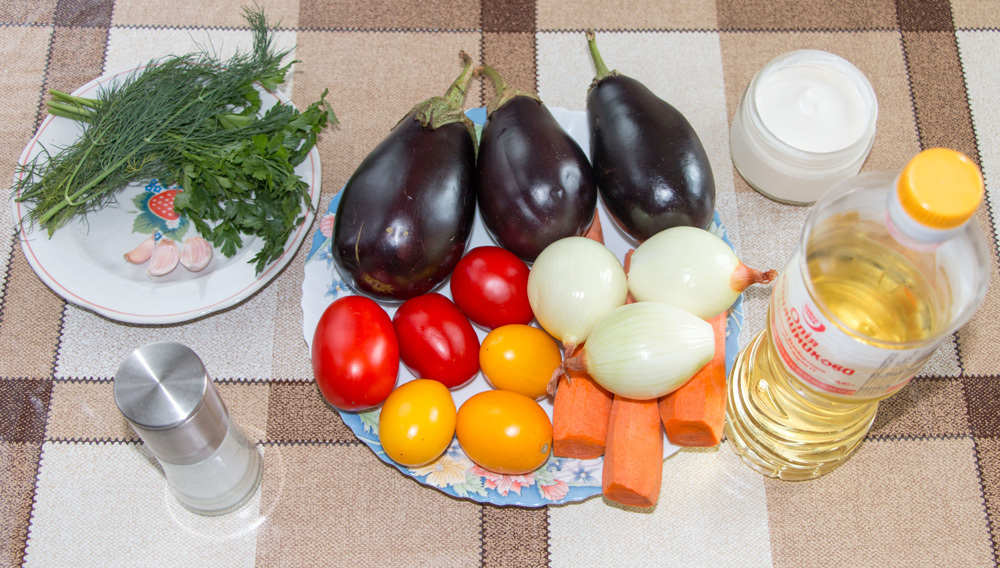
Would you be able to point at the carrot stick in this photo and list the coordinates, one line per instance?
(695, 414)
(580, 413)
(595, 231)
(633, 460)
(633, 456)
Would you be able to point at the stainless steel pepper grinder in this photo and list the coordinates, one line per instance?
(169, 399)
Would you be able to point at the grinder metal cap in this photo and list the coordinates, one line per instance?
(167, 396)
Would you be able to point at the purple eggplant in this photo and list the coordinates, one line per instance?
(406, 213)
(536, 185)
(652, 171)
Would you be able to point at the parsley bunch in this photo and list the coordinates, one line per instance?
(196, 121)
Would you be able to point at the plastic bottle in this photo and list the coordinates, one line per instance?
(888, 267)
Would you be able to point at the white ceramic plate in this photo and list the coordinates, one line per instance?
(83, 260)
(559, 480)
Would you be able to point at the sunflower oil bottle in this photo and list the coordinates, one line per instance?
(888, 267)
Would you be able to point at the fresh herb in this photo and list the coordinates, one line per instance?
(196, 121)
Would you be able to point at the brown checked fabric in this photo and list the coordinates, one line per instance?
(78, 488)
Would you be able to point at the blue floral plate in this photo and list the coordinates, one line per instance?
(559, 480)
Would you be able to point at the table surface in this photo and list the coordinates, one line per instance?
(77, 490)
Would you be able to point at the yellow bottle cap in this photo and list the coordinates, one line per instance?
(940, 188)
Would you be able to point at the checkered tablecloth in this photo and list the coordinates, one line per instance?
(78, 489)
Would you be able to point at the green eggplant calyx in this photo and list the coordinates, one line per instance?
(435, 112)
(503, 92)
(598, 80)
(599, 65)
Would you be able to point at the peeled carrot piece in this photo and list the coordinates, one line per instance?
(580, 413)
(595, 231)
(633, 460)
(695, 414)
(633, 456)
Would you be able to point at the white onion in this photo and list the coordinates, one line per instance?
(647, 349)
(573, 283)
(692, 269)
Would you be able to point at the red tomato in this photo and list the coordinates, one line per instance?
(355, 355)
(490, 284)
(436, 340)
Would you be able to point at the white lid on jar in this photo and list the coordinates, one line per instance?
(806, 122)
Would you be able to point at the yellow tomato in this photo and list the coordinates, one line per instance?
(417, 422)
(504, 432)
(519, 358)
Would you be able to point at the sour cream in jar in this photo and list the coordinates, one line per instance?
(805, 123)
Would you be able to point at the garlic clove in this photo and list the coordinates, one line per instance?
(196, 254)
(164, 259)
(141, 253)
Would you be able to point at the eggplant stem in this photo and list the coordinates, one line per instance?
(456, 92)
(499, 85)
(436, 112)
(503, 91)
(602, 69)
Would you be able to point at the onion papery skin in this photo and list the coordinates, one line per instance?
(686, 267)
(645, 350)
(573, 283)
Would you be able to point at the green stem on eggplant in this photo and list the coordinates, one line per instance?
(503, 92)
(436, 112)
(499, 85)
(602, 69)
(456, 92)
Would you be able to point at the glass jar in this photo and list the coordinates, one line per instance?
(173, 405)
(805, 123)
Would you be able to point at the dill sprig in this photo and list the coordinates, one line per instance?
(192, 120)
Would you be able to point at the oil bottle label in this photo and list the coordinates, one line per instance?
(821, 354)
